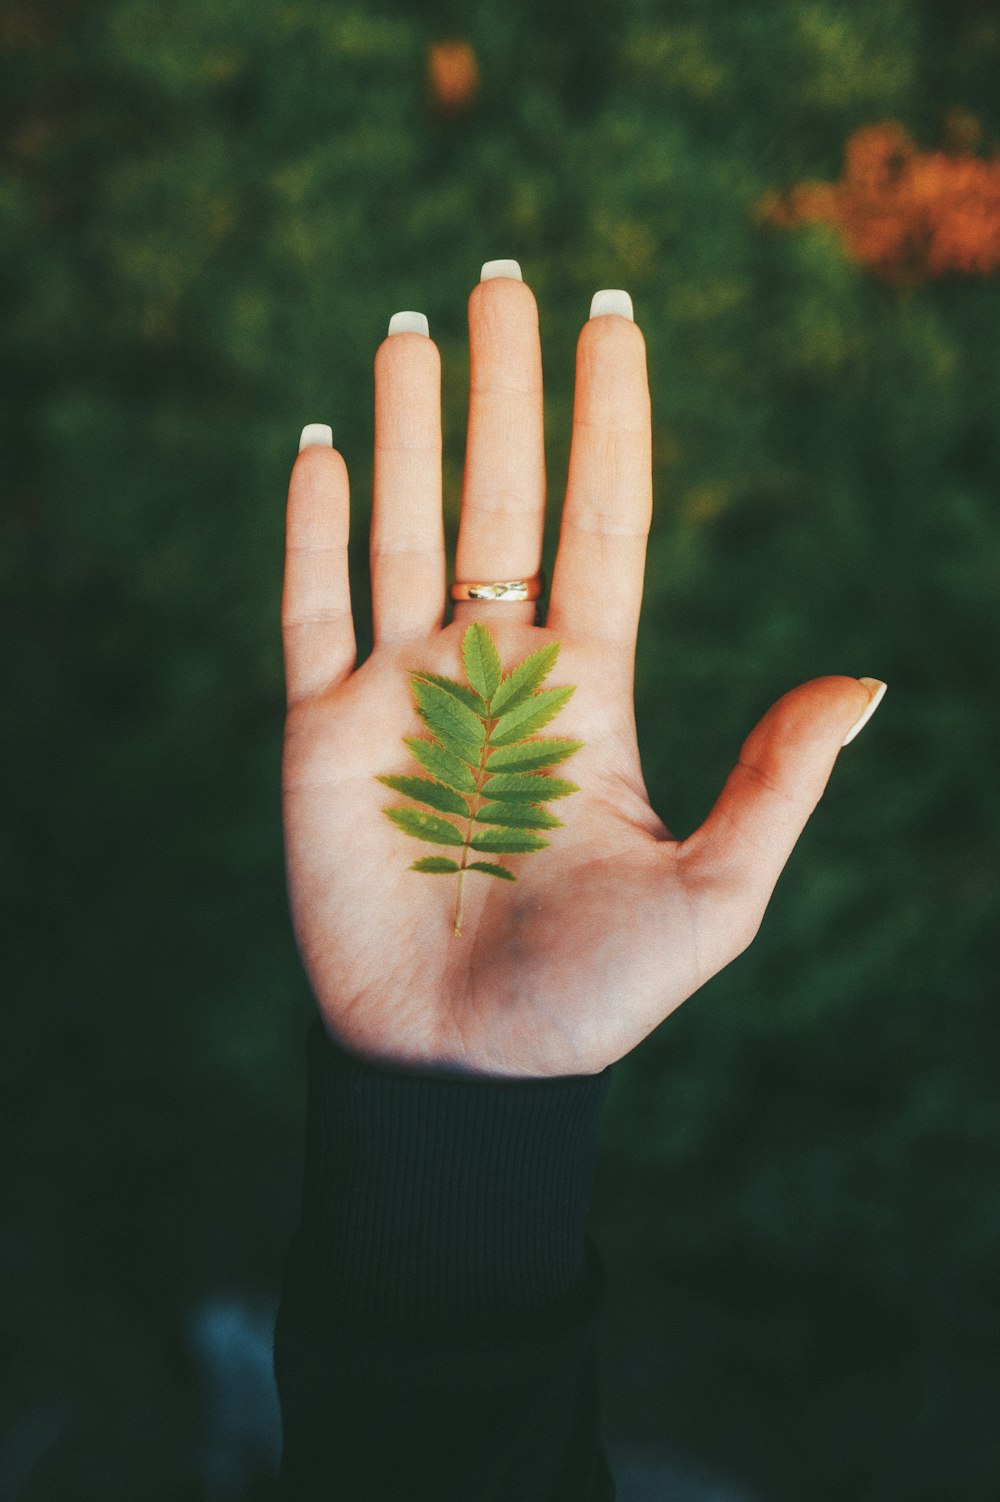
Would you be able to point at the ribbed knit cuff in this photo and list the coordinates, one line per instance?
(434, 1202)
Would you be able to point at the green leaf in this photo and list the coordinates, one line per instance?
(496, 770)
(423, 790)
(442, 764)
(528, 787)
(507, 841)
(482, 660)
(425, 826)
(530, 715)
(517, 816)
(522, 681)
(491, 870)
(531, 756)
(466, 696)
(455, 726)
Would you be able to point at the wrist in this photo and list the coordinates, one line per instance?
(433, 1199)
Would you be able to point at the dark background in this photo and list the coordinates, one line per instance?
(210, 211)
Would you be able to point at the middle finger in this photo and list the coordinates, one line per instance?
(503, 492)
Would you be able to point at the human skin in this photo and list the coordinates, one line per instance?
(607, 931)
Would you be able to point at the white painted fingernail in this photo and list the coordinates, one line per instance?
(611, 300)
(877, 689)
(316, 433)
(500, 268)
(409, 323)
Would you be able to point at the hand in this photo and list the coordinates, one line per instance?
(616, 923)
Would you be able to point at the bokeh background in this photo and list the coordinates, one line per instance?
(210, 211)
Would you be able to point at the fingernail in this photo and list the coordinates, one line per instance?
(316, 433)
(500, 268)
(877, 689)
(409, 323)
(611, 300)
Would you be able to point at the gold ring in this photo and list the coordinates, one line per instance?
(504, 589)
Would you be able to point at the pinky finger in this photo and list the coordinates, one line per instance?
(316, 622)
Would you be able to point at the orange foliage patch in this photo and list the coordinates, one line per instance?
(453, 74)
(909, 215)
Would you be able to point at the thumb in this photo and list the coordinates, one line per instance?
(741, 849)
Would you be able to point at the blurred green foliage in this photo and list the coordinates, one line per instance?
(210, 212)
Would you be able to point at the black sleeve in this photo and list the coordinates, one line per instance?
(437, 1331)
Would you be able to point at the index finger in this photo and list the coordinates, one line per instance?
(598, 575)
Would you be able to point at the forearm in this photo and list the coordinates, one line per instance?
(438, 1324)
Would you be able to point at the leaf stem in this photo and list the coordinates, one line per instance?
(473, 809)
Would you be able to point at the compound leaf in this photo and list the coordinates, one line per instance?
(482, 761)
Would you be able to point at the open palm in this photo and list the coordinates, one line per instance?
(604, 933)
